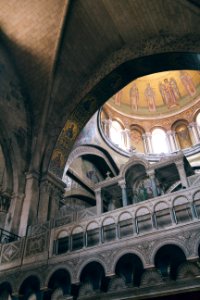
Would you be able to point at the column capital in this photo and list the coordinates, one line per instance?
(122, 183)
(98, 190)
(151, 172)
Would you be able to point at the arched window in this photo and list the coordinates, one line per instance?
(116, 134)
(159, 141)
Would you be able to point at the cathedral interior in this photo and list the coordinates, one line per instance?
(99, 149)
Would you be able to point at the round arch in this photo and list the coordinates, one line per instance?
(128, 63)
(91, 260)
(164, 243)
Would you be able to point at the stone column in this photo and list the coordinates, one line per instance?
(144, 138)
(51, 194)
(127, 135)
(193, 211)
(149, 143)
(122, 184)
(99, 202)
(14, 214)
(30, 204)
(194, 133)
(154, 221)
(173, 216)
(182, 174)
(43, 209)
(172, 142)
(151, 175)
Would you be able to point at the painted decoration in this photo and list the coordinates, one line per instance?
(158, 94)
(134, 97)
(71, 130)
(57, 161)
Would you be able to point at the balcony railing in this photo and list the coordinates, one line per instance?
(165, 211)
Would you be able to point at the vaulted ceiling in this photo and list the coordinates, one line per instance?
(71, 56)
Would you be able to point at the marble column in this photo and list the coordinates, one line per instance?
(194, 133)
(30, 203)
(144, 138)
(172, 141)
(149, 142)
(182, 174)
(193, 211)
(173, 216)
(151, 175)
(99, 201)
(122, 184)
(127, 134)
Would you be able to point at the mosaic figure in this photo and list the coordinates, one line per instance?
(134, 97)
(188, 83)
(117, 98)
(150, 97)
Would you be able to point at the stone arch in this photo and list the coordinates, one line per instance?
(108, 220)
(134, 160)
(77, 229)
(60, 279)
(180, 199)
(29, 274)
(124, 252)
(90, 225)
(168, 259)
(196, 195)
(196, 244)
(54, 269)
(165, 48)
(169, 241)
(81, 150)
(160, 205)
(130, 268)
(124, 216)
(30, 285)
(88, 261)
(142, 208)
(62, 233)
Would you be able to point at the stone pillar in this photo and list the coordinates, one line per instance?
(122, 184)
(30, 204)
(151, 175)
(173, 216)
(14, 214)
(172, 141)
(194, 133)
(154, 221)
(127, 138)
(43, 209)
(182, 174)
(149, 143)
(144, 138)
(99, 202)
(193, 211)
(51, 194)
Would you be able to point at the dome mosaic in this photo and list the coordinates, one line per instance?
(158, 94)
